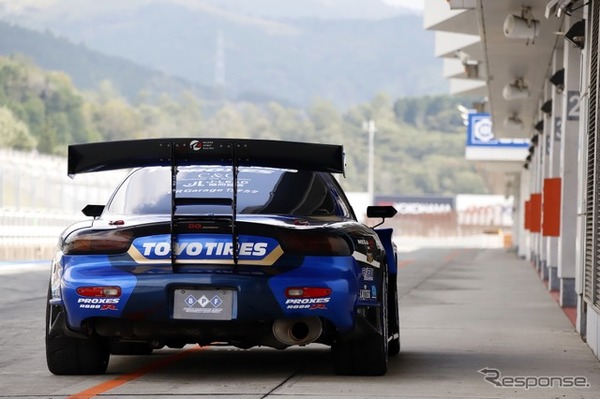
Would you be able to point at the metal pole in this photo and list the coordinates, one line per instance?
(371, 168)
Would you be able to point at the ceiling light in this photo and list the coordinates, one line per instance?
(576, 34)
(513, 122)
(558, 80)
(539, 126)
(547, 107)
(523, 27)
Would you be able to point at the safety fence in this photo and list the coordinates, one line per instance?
(38, 200)
(31, 234)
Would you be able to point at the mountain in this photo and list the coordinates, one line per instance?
(87, 68)
(321, 9)
(262, 52)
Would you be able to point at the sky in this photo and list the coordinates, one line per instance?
(415, 5)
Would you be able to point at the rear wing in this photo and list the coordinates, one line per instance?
(95, 157)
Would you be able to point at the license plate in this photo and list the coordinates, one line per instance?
(203, 304)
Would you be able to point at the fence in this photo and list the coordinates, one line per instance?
(38, 200)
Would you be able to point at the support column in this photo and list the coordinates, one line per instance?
(536, 178)
(544, 146)
(568, 173)
(553, 152)
(524, 243)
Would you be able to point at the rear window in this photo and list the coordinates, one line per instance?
(260, 191)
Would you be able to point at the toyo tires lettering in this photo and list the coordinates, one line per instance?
(193, 249)
(206, 248)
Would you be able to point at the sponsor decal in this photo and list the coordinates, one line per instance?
(307, 303)
(367, 273)
(98, 303)
(366, 258)
(368, 248)
(206, 248)
(368, 292)
(195, 145)
(203, 304)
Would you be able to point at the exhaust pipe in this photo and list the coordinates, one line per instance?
(297, 331)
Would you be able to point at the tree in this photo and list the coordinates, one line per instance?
(14, 133)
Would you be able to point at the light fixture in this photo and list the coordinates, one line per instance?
(471, 66)
(551, 8)
(565, 6)
(539, 126)
(479, 106)
(557, 7)
(558, 80)
(547, 107)
(522, 27)
(513, 122)
(576, 34)
(535, 139)
(516, 91)
(472, 69)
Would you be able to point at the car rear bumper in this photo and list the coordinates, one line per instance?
(147, 309)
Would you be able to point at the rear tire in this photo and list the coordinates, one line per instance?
(72, 356)
(393, 317)
(365, 350)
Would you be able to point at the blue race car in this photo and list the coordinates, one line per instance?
(221, 241)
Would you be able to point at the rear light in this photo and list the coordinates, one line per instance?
(307, 292)
(98, 242)
(99, 292)
(314, 244)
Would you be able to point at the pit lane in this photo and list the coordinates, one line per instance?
(455, 320)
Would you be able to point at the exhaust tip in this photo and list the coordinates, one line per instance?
(297, 331)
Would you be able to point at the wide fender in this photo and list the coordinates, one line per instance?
(385, 236)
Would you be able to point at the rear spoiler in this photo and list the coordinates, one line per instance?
(95, 157)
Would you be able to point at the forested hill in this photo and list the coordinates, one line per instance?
(88, 68)
(344, 61)
(419, 143)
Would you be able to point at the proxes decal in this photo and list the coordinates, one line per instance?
(204, 248)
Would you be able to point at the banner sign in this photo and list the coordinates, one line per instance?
(480, 134)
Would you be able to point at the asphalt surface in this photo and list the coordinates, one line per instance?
(475, 323)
